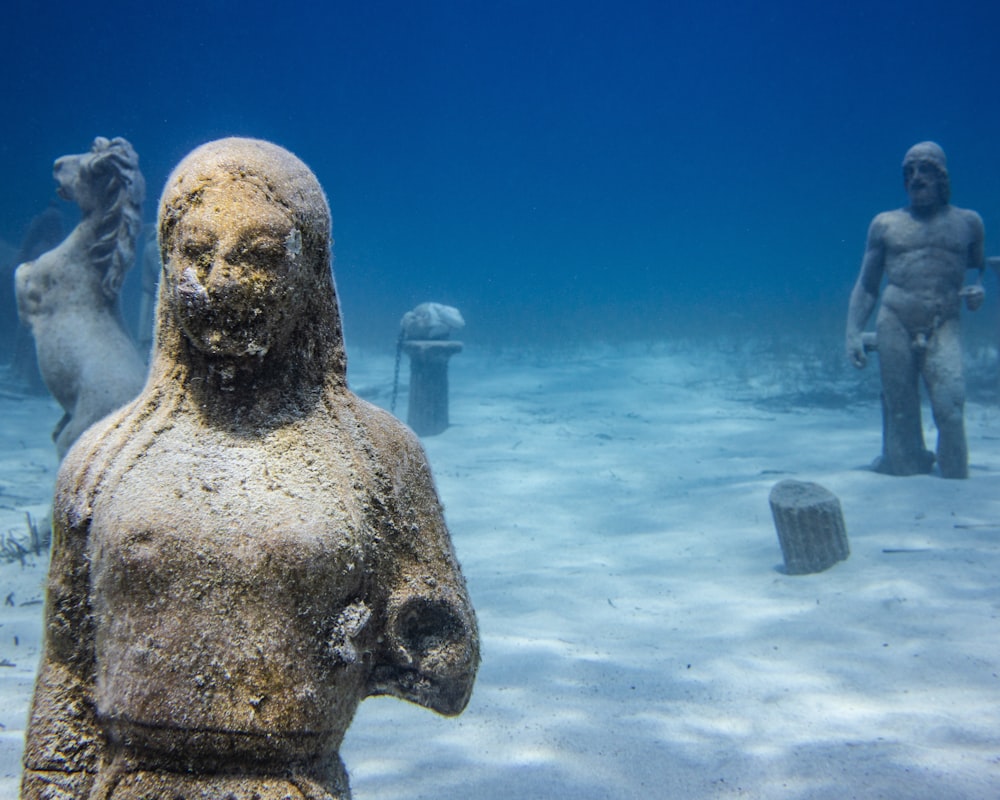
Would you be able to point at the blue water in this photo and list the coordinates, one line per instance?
(557, 169)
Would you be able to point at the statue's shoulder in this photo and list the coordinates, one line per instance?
(390, 438)
(83, 468)
(884, 223)
(892, 217)
(80, 473)
(969, 216)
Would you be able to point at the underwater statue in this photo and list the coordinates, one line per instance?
(430, 321)
(69, 296)
(247, 550)
(923, 251)
(425, 336)
(44, 232)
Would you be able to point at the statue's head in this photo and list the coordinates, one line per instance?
(244, 232)
(925, 176)
(431, 321)
(96, 178)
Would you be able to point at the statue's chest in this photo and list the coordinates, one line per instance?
(236, 517)
(946, 234)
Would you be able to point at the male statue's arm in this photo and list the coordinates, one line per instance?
(975, 293)
(63, 746)
(865, 293)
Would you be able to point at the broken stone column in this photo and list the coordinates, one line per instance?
(810, 525)
(427, 412)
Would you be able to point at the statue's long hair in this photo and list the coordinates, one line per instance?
(118, 188)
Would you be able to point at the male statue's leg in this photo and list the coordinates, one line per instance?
(903, 449)
(946, 386)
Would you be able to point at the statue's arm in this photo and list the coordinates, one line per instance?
(429, 650)
(975, 293)
(63, 745)
(864, 295)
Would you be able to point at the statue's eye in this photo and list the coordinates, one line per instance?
(196, 249)
(198, 253)
(258, 252)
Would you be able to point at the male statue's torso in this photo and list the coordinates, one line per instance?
(925, 264)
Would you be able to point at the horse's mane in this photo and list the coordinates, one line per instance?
(118, 188)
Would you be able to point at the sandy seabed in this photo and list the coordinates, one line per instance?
(640, 639)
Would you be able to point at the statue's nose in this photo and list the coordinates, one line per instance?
(60, 173)
(59, 166)
(219, 273)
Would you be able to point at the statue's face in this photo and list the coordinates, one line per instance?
(231, 266)
(65, 170)
(71, 183)
(924, 183)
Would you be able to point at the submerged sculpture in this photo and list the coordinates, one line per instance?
(923, 250)
(247, 550)
(425, 336)
(44, 232)
(68, 296)
(430, 321)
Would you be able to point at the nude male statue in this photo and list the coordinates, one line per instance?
(923, 250)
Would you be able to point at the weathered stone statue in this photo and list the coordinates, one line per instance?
(923, 251)
(425, 336)
(430, 321)
(68, 296)
(44, 232)
(247, 550)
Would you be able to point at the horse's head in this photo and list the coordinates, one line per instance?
(109, 188)
(96, 180)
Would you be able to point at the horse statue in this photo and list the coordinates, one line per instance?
(69, 296)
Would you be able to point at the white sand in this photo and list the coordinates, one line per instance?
(28, 466)
(639, 640)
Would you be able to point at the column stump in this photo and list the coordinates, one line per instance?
(810, 525)
(427, 409)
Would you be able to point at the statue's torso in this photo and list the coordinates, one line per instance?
(78, 335)
(224, 578)
(925, 264)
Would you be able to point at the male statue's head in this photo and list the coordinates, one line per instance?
(925, 176)
(247, 288)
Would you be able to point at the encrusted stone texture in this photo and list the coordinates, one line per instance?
(69, 296)
(810, 525)
(247, 550)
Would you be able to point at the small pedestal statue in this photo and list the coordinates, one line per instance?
(69, 296)
(247, 550)
(424, 337)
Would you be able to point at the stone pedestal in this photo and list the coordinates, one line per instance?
(427, 413)
(810, 526)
